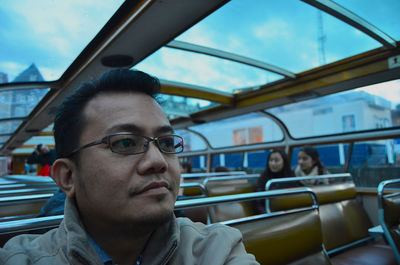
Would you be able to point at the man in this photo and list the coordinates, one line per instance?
(43, 156)
(46, 157)
(117, 166)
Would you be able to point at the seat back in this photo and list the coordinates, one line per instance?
(23, 205)
(38, 225)
(191, 191)
(339, 211)
(220, 186)
(389, 215)
(288, 237)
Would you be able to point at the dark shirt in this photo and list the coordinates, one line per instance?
(262, 180)
(54, 205)
(43, 159)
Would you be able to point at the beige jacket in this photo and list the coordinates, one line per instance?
(178, 241)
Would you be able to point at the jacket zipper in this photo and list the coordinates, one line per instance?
(169, 254)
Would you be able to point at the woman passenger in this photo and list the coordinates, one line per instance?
(309, 164)
(277, 167)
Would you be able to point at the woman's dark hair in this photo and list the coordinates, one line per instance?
(70, 122)
(313, 153)
(268, 174)
(221, 169)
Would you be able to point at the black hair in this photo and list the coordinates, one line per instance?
(313, 153)
(69, 121)
(221, 169)
(267, 174)
(39, 147)
(187, 166)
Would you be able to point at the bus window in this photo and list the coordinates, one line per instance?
(191, 141)
(250, 128)
(364, 108)
(256, 161)
(374, 161)
(233, 161)
(199, 163)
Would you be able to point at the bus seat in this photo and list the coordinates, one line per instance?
(341, 211)
(194, 190)
(223, 186)
(389, 215)
(23, 205)
(344, 223)
(37, 225)
(294, 239)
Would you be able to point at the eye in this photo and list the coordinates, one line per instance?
(124, 142)
(167, 143)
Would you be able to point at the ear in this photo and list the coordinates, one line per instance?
(63, 172)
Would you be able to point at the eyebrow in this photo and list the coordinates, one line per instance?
(136, 129)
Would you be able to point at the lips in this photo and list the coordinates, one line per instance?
(155, 185)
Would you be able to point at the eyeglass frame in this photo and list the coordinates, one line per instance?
(106, 140)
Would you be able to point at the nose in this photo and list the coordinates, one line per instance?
(152, 161)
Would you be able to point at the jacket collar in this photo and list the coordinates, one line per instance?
(160, 247)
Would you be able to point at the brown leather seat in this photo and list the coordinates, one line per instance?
(294, 239)
(229, 211)
(344, 222)
(389, 215)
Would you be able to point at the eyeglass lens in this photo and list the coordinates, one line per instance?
(131, 144)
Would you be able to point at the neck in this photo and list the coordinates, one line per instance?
(123, 245)
(308, 171)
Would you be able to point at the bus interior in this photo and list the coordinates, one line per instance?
(238, 79)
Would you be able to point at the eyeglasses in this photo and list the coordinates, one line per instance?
(132, 144)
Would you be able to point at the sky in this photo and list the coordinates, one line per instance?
(51, 33)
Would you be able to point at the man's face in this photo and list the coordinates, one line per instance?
(111, 187)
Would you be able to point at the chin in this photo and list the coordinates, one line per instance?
(156, 219)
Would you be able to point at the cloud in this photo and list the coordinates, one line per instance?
(388, 90)
(273, 29)
(53, 32)
(12, 69)
(202, 70)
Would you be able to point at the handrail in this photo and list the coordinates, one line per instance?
(27, 185)
(249, 176)
(292, 179)
(41, 222)
(210, 201)
(211, 174)
(17, 192)
(23, 198)
(30, 224)
(28, 179)
(381, 214)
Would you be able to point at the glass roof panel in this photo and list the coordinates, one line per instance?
(4, 139)
(281, 33)
(245, 129)
(192, 141)
(176, 106)
(344, 112)
(8, 127)
(383, 14)
(203, 70)
(47, 140)
(19, 103)
(29, 28)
